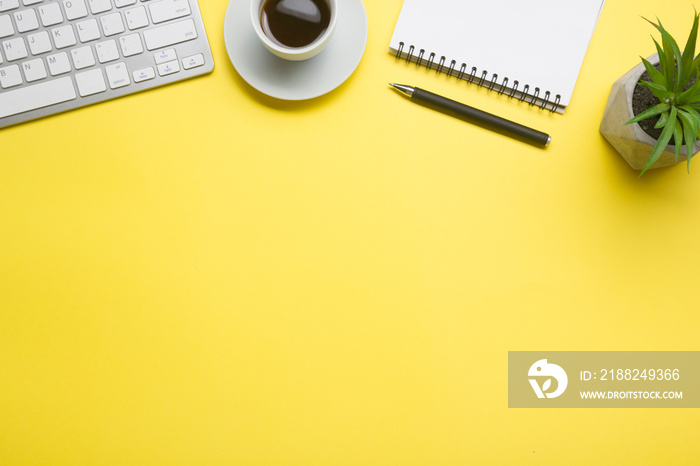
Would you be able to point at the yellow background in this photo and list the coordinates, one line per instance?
(200, 274)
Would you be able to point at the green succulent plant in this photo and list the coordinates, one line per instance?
(679, 101)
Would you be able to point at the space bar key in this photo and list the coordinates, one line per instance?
(36, 96)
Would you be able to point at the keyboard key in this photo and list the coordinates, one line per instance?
(169, 68)
(123, 3)
(170, 34)
(58, 63)
(165, 55)
(6, 27)
(50, 14)
(31, 2)
(15, 49)
(39, 43)
(99, 6)
(144, 74)
(82, 57)
(112, 24)
(6, 5)
(26, 20)
(64, 36)
(136, 18)
(117, 75)
(36, 96)
(34, 70)
(75, 9)
(193, 62)
(165, 10)
(88, 30)
(90, 82)
(107, 51)
(10, 76)
(131, 45)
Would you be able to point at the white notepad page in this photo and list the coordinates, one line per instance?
(539, 43)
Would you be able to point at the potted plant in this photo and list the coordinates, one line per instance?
(652, 116)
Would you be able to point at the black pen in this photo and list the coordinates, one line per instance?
(475, 116)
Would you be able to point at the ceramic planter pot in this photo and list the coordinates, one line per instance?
(631, 141)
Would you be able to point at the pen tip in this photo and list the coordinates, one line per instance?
(408, 90)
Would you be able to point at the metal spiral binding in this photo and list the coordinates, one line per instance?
(440, 65)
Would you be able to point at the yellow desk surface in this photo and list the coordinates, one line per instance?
(200, 274)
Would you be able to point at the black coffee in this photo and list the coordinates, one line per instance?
(294, 23)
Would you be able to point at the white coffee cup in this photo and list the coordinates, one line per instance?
(293, 53)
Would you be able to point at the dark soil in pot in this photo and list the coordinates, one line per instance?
(643, 99)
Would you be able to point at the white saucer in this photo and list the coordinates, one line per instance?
(302, 80)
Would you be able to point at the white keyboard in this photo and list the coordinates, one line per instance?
(57, 55)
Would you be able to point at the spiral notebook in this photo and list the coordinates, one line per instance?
(529, 50)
